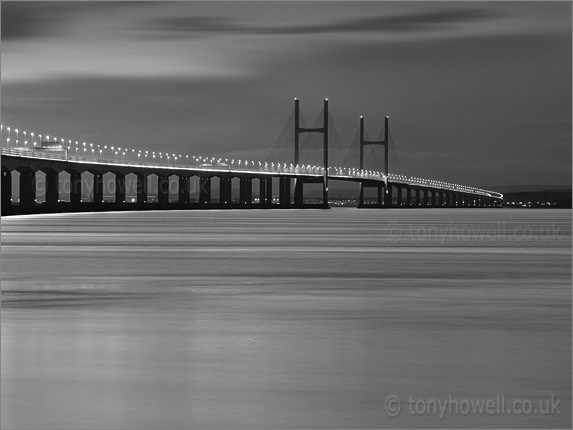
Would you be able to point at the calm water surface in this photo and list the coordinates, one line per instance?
(283, 319)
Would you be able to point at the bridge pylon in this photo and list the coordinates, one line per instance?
(385, 143)
(298, 191)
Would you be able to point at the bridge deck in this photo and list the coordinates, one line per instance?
(14, 158)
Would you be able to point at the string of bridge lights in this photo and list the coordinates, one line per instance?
(99, 153)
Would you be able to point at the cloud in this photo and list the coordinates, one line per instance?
(24, 20)
(451, 77)
(416, 21)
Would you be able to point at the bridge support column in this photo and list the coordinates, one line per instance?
(98, 187)
(229, 195)
(141, 188)
(418, 196)
(440, 199)
(269, 199)
(262, 191)
(184, 190)
(399, 189)
(325, 191)
(27, 187)
(75, 188)
(284, 191)
(248, 192)
(6, 188)
(205, 190)
(380, 196)
(430, 198)
(119, 189)
(222, 191)
(299, 191)
(162, 190)
(388, 196)
(408, 196)
(224, 185)
(52, 188)
(242, 191)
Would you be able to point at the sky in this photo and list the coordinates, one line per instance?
(478, 93)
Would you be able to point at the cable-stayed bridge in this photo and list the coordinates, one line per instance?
(43, 173)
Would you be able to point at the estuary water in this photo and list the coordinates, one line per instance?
(236, 319)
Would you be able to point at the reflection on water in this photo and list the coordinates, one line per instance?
(283, 319)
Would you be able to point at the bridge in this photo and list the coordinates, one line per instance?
(47, 174)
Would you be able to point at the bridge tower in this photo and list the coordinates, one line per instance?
(385, 143)
(298, 192)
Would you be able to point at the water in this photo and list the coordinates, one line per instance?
(284, 319)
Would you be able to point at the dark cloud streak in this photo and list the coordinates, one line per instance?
(428, 20)
(27, 20)
(23, 20)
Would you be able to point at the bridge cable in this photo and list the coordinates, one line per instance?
(283, 149)
(336, 149)
(395, 163)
